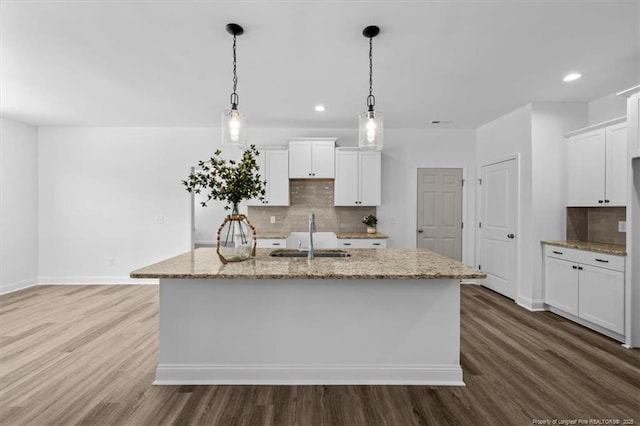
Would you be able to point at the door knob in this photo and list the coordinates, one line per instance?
(420, 231)
(511, 236)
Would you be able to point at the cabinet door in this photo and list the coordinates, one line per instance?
(634, 116)
(323, 157)
(561, 285)
(346, 183)
(587, 169)
(300, 159)
(616, 165)
(370, 178)
(277, 172)
(262, 163)
(601, 299)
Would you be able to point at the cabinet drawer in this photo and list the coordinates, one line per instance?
(586, 257)
(271, 242)
(362, 243)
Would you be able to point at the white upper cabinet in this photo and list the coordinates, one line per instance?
(616, 165)
(345, 188)
(369, 167)
(633, 120)
(358, 178)
(312, 158)
(597, 167)
(275, 170)
(587, 168)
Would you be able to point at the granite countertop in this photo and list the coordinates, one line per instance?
(360, 235)
(203, 263)
(615, 249)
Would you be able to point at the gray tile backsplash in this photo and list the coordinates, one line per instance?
(306, 196)
(596, 224)
(577, 220)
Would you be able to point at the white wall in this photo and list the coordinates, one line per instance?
(404, 152)
(549, 183)
(102, 189)
(606, 108)
(18, 205)
(534, 133)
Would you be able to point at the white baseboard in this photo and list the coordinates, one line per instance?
(18, 285)
(89, 280)
(588, 324)
(233, 374)
(533, 305)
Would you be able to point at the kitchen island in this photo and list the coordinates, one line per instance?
(380, 316)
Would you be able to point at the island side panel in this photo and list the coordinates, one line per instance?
(328, 331)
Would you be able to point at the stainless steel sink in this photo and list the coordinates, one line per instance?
(304, 253)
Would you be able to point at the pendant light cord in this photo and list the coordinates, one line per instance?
(234, 95)
(371, 100)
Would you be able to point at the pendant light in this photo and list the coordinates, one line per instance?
(370, 122)
(234, 123)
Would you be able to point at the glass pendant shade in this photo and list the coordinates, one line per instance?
(370, 131)
(234, 128)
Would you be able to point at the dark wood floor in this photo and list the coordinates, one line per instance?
(87, 354)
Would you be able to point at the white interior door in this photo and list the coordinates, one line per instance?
(498, 226)
(440, 211)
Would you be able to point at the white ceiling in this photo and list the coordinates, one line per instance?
(168, 63)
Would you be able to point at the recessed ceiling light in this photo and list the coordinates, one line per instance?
(572, 76)
(320, 108)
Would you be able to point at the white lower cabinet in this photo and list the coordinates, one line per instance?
(587, 285)
(561, 285)
(271, 243)
(362, 243)
(601, 297)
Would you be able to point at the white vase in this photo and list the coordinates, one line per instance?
(371, 230)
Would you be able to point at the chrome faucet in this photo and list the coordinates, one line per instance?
(312, 229)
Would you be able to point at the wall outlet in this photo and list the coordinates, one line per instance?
(273, 219)
(622, 226)
(111, 261)
(159, 220)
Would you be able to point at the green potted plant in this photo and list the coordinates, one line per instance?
(371, 221)
(230, 181)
